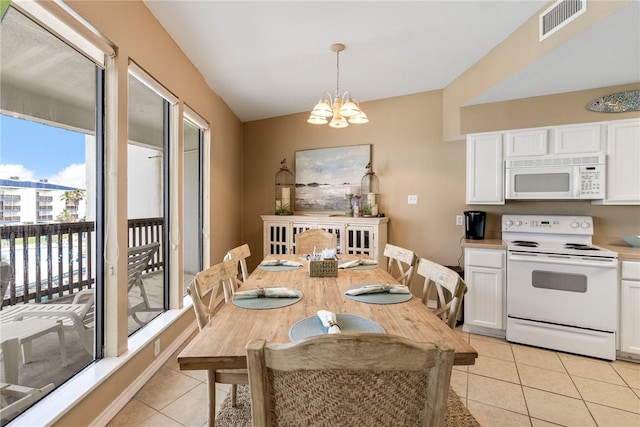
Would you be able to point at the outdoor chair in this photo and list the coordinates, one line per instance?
(77, 315)
(204, 290)
(401, 264)
(138, 259)
(450, 289)
(239, 255)
(349, 379)
(315, 239)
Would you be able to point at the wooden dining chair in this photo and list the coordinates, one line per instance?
(349, 379)
(315, 238)
(239, 255)
(401, 263)
(450, 289)
(204, 290)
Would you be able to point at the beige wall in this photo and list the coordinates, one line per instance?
(410, 157)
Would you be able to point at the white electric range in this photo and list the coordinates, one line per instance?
(562, 291)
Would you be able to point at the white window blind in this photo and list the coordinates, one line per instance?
(69, 26)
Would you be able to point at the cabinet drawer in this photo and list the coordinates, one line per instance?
(485, 258)
(630, 270)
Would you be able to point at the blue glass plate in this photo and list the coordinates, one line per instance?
(348, 323)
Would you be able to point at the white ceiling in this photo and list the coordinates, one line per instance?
(272, 58)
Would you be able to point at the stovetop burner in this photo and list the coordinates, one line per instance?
(525, 243)
(580, 247)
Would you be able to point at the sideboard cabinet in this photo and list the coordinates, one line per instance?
(357, 236)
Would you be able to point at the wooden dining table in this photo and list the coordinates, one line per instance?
(221, 344)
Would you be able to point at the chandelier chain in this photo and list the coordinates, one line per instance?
(337, 74)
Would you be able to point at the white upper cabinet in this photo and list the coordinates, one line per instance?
(485, 169)
(573, 139)
(526, 142)
(623, 163)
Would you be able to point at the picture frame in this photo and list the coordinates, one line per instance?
(324, 176)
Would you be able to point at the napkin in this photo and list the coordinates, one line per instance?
(329, 321)
(274, 292)
(357, 262)
(377, 289)
(278, 262)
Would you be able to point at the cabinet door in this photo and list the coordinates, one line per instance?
(577, 139)
(358, 240)
(485, 169)
(623, 159)
(484, 301)
(630, 316)
(529, 142)
(276, 238)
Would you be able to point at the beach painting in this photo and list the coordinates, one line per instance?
(324, 176)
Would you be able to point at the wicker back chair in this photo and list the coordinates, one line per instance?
(239, 255)
(402, 263)
(315, 238)
(450, 289)
(349, 379)
(206, 285)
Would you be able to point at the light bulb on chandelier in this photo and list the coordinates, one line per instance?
(342, 109)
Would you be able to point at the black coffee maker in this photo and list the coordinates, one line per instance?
(474, 225)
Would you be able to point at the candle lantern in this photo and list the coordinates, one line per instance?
(285, 187)
(370, 195)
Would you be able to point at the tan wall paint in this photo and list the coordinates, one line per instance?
(519, 50)
(410, 157)
(559, 109)
(137, 35)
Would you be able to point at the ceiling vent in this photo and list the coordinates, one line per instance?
(560, 14)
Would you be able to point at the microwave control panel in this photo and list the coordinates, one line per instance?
(592, 181)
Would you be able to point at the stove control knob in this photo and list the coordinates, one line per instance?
(574, 224)
(586, 225)
(508, 223)
(518, 223)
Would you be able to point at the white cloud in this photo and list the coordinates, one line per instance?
(7, 171)
(72, 176)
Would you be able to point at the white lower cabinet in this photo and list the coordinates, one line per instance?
(485, 300)
(358, 236)
(629, 332)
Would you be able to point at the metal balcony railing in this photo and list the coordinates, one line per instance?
(58, 259)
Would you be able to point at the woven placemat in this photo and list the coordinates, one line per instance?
(240, 416)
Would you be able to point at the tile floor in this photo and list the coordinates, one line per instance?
(510, 385)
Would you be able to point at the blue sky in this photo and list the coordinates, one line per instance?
(34, 151)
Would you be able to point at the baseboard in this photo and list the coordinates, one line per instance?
(55, 405)
(118, 404)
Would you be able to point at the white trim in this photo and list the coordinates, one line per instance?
(65, 23)
(195, 118)
(136, 71)
(51, 408)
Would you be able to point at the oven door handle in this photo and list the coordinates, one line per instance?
(562, 260)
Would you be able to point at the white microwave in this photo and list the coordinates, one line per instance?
(576, 177)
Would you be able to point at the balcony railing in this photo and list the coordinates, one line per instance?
(57, 259)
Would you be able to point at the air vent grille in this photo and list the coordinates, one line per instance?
(560, 14)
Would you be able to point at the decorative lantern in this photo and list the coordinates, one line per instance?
(369, 190)
(284, 190)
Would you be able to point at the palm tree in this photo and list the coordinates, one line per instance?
(72, 199)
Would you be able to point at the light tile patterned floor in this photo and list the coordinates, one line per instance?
(510, 385)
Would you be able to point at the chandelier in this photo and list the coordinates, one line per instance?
(342, 109)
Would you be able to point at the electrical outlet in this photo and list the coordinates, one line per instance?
(412, 199)
(459, 220)
(156, 348)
